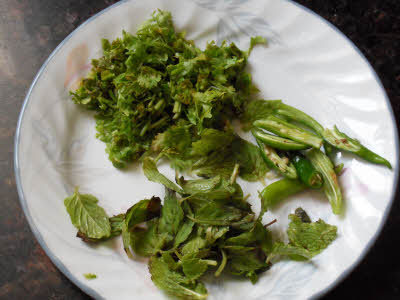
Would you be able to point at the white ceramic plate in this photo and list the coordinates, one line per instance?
(308, 63)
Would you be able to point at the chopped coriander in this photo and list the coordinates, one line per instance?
(90, 276)
(146, 83)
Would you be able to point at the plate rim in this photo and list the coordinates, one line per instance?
(90, 291)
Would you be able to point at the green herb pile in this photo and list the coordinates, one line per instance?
(204, 227)
(145, 83)
(159, 97)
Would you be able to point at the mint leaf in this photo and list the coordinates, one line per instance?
(184, 232)
(151, 172)
(252, 165)
(256, 110)
(248, 265)
(216, 214)
(194, 244)
(171, 215)
(173, 282)
(294, 252)
(142, 211)
(193, 267)
(313, 237)
(306, 238)
(147, 242)
(87, 216)
(211, 140)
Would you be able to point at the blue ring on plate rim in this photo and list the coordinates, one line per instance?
(92, 292)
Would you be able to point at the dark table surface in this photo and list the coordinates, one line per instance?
(29, 32)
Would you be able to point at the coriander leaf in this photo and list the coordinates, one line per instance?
(257, 40)
(87, 216)
(151, 172)
(148, 77)
(173, 282)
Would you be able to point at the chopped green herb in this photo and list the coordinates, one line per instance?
(90, 276)
(146, 83)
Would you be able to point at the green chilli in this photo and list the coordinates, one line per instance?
(277, 142)
(278, 191)
(274, 161)
(331, 187)
(342, 141)
(306, 172)
(297, 115)
(290, 131)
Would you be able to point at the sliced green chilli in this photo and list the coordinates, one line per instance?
(290, 131)
(306, 172)
(342, 141)
(278, 191)
(331, 187)
(277, 142)
(274, 161)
